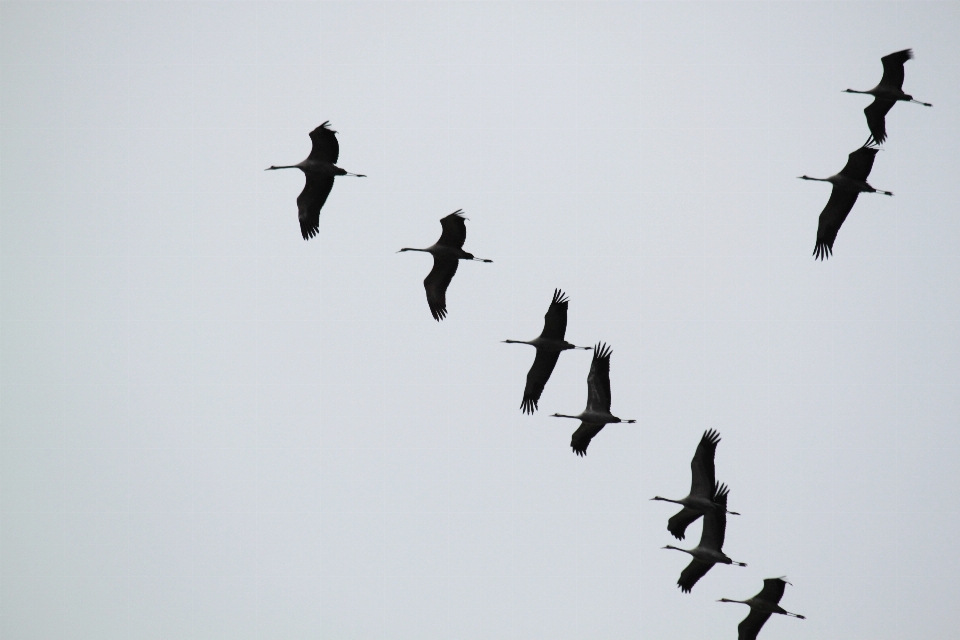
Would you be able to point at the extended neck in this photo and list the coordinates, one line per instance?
(666, 500)
(728, 600)
(290, 166)
(410, 249)
(817, 179)
(670, 546)
(516, 342)
(560, 415)
(855, 91)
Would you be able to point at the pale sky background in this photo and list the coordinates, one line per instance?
(213, 429)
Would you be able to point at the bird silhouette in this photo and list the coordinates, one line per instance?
(762, 606)
(847, 186)
(549, 344)
(886, 94)
(703, 487)
(447, 254)
(709, 551)
(597, 414)
(320, 170)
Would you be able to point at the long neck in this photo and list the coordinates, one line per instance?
(728, 600)
(670, 546)
(560, 415)
(517, 342)
(817, 179)
(409, 249)
(290, 166)
(666, 500)
(855, 91)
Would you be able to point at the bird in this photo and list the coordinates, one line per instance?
(597, 414)
(549, 344)
(702, 488)
(708, 552)
(847, 185)
(887, 93)
(320, 170)
(447, 254)
(762, 606)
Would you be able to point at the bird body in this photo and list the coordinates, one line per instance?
(447, 253)
(549, 344)
(887, 93)
(847, 186)
(762, 606)
(320, 170)
(710, 550)
(597, 414)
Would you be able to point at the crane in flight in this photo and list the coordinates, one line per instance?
(597, 414)
(847, 186)
(703, 487)
(550, 344)
(886, 94)
(447, 253)
(320, 169)
(709, 551)
(762, 606)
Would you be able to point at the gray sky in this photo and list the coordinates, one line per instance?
(213, 429)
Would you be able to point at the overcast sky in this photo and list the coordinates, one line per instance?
(213, 429)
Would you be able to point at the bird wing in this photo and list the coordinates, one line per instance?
(694, 571)
(537, 378)
(325, 145)
(715, 521)
(893, 69)
(772, 590)
(831, 219)
(677, 525)
(751, 625)
(702, 465)
(582, 437)
(436, 284)
(454, 230)
(598, 382)
(555, 320)
(310, 201)
(876, 113)
(860, 163)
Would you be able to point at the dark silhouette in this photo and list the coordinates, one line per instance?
(597, 414)
(447, 253)
(762, 606)
(886, 94)
(320, 170)
(847, 186)
(708, 552)
(702, 487)
(549, 344)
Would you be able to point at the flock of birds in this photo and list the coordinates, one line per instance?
(707, 497)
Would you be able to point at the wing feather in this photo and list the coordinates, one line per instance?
(598, 381)
(772, 591)
(436, 284)
(893, 69)
(831, 219)
(537, 378)
(310, 201)
(677, 525)
(751, 625)
(582, 437)
(325, 145)
(859, 163)
(702, 466)
(715, 521)
(876, 113)
(454, 230)
(555, 320)
(694, 571)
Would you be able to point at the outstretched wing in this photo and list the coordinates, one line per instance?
(702, 466)
(325, 145)
(876, 113)
(677, 525)
(772, 590)
(893, 69)
(751, 625)
(715, 521)
(694, 571)
(831, 219)
(555, 320)
(582, 437)
(454, 230)
(598, 382)
(310, 201)
(436, 284)
(537, 378)
(860, 163)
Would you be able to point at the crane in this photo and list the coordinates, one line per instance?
(847, 186)
(762, 606)
(549, 344)
(703, 487)
(708, 552)
(887, 93)
(447, 254)
(597, 414)
(320, 169)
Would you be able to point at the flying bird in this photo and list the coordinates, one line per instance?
(708, 552)
(320, 169)
(597, 414)
(447, 254)
(702, 488)
(847, 186)
(887, 93)
(549, 344)
(762, 606)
